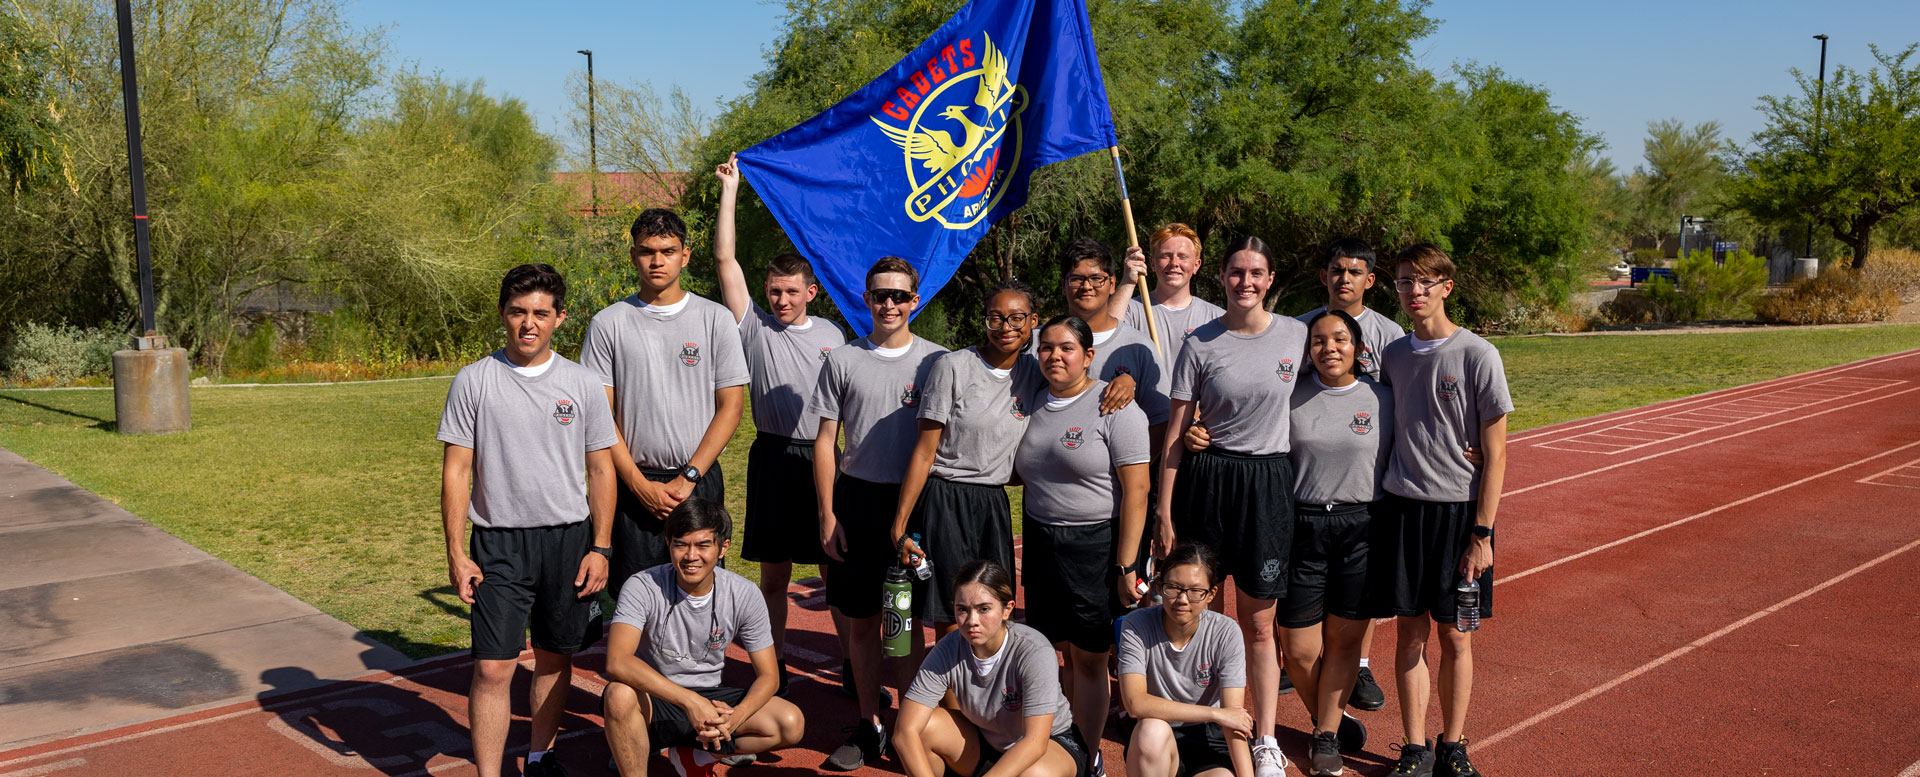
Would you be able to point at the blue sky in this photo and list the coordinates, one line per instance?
(1618, 64)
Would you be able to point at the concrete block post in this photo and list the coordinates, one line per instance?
(150, 391)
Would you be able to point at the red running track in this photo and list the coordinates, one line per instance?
(1717, 585)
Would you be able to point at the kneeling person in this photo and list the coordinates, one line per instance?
(668, 644)
(1183, 677)
(1012, 718)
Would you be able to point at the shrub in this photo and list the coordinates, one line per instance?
(1647, 257)
(1706, 291)
(1836, 296)
(52, 353)
(1894, 269)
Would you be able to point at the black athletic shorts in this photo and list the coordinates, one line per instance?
(961, 522)
(1416, 558)
(1071, 742)
(1329, 570)
(783, 520)
(1242, 507)
(1201, 746)
(639, 540)
(1072, 582)
(669, 727)
(528, 573)
(865, 511)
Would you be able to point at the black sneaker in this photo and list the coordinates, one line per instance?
(1415, 760)
(1324, 755)
(1286, 683)
(547, 766)
(866, 743)
(1366, 692)
(739, 759)
(1353, 735)
(1452, 758)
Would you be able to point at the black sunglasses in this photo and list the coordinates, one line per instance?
(895, 296)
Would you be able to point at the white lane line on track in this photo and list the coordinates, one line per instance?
(1696, 516)
(1690, 446)
(36, 771)
(1723, 414)
(1710, 396)
(1911, 771)
(1688, 648)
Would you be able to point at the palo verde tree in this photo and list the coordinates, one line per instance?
(1848, 159)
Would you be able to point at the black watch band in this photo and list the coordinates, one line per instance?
(690, 473)
(604, 551)
(1483, 532)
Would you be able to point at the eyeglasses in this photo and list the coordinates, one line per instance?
(1407, 284)
(1094, 281)
(1001, 322)
(1171, 590)
(895, 296)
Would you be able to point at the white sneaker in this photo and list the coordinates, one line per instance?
(1268, 761)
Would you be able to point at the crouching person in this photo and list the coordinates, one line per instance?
(668, 644)
(1012, 718)
(1183, 677)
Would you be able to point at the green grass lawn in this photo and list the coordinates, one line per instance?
(331, 492)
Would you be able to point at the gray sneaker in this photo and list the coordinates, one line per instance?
(1325, 755)
(865, 744)
(1268, 761)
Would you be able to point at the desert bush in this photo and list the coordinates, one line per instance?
(1836, 296)
(1895, 269)
(1647, 257)
(54, 353)
(1706, 292)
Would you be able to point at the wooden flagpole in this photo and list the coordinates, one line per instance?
(1133, 241)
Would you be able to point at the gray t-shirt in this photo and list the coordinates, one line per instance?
(685, 639)
(1068, 456)
(530, 438)
(1342, 440)
(785, 362)
(1175, 325)
(664, 370)
(1213, 659)
(1024, 683)
(984, 415)
(876, 399)
(1242, 382)
(1376, 332)
(1440, 399)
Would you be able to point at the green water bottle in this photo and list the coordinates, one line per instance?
(896, 612)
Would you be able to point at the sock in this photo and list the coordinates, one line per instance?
(1269, 741)
(535, 756)
(1363, 662)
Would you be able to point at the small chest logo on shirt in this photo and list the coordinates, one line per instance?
(1019, 410)
(690, 354)
(910, 395)
(823, 353)
(1449, 387)
(1366, 358)
(1203, 675)
(564, 411)
(1072, 438)
(1285, 371)
(1010, 697)
(716, 639)
(1362, 424)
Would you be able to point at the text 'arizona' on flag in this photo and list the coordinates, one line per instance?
(921, 162)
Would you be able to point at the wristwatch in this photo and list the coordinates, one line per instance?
(690, 473)
(1483, 532)
(607, 552)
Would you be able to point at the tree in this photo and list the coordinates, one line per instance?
(1682, 172)
(1849, 160)
(30, 144)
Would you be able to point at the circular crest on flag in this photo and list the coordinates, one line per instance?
(961, 133)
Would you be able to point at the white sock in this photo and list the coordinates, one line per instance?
(1269, 741)
(535, 756)
(1363, 662)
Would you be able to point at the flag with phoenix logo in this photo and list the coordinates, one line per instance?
(922, 161)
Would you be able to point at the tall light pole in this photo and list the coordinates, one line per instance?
(149, 380)
(1819, 111)
(593, 141)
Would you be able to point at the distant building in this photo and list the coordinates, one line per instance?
(621, 191)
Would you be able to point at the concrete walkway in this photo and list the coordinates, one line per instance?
(106, 620)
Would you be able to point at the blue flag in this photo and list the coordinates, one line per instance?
(921, 162)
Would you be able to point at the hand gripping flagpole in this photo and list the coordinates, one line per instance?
(1133, 241)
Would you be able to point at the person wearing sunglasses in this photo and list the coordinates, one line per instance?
(1236, 376)
(1183, 677)
(1449, 394)
(870, 389)
(668, 645)
(971, 419)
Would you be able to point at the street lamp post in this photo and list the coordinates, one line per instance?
(1819, 111)
(593, 142)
